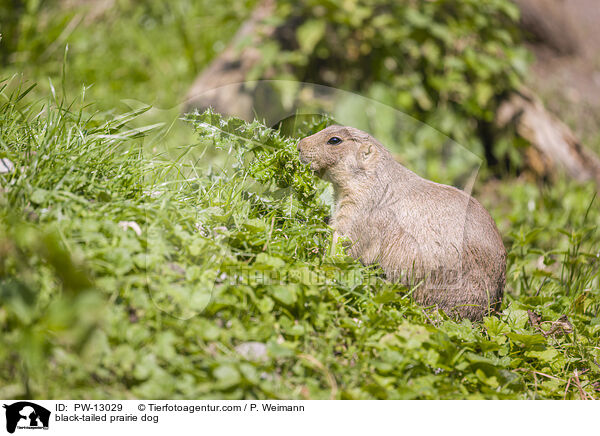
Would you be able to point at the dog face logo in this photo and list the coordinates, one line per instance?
(26, 415)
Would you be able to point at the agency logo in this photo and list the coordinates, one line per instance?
(26, 415)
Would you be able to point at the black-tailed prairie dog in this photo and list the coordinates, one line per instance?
(433, 237)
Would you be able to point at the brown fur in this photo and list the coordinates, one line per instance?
(433, 237)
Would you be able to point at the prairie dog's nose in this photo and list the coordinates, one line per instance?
(299, 146)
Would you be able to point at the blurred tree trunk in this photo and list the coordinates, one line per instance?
(220, 85)
(553, 145)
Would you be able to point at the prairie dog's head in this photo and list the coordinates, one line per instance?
(340, 153)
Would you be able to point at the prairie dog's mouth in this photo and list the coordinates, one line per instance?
(313, 166)
(320, 172)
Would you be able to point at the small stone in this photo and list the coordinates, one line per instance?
(153, 194)
(131, 225)
(6, 166)
(254, 351)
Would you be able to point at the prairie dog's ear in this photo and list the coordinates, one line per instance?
(365, 154)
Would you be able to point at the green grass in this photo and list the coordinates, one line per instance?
(92, 309)
(130, 56)
(148, 52)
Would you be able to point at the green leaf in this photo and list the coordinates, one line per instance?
(309, 34)
(227, 376)
(285, 294)
(527, 340)
(265, 305)
(39, 196)
(547, 355)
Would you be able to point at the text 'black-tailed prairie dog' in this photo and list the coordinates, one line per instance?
(424, 234)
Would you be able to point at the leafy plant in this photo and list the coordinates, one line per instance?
(446, 62)
(193, 282)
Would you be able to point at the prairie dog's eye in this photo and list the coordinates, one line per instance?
(334, 140)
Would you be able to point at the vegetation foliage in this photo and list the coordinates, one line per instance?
(447, 62)
(93, 308)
